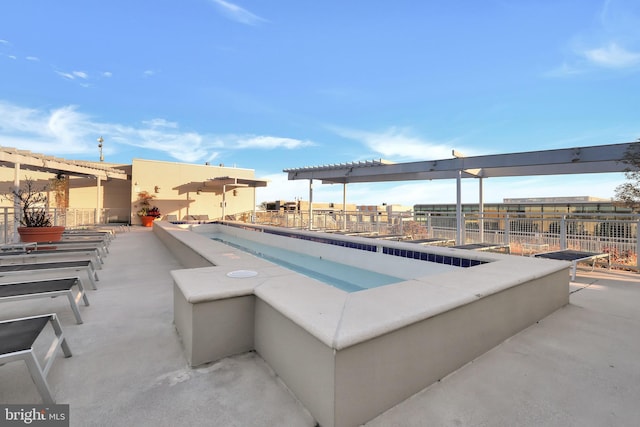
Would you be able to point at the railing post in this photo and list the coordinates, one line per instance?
(429, 225)
(563, 232)
(507, 228)
(6, 224)
(638, 245)
(463, 229)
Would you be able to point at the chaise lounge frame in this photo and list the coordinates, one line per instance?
(18, 338)
(47, 288)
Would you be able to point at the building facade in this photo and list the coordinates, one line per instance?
(181, 191)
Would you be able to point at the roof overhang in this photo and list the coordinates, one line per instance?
(235, 182)
(216, 185)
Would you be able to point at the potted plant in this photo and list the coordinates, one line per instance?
(36, 225)
(147, 213)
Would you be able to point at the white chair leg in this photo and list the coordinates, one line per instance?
(38, 378)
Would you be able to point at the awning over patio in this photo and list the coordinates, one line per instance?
(219, 184)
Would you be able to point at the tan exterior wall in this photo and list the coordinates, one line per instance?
(174, 187)
(6, 183)
(82, 192)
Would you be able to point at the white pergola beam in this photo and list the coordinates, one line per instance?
(43, 163)
(579, 160)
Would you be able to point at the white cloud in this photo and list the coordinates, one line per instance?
(612, 56)
(66, 130)
(267, 142)
(66, 125)
(237, 13)
(32, 58)
(611, 44)
(107, 74)
(399, 144)
(160, 123)
(69, 76)
(280, 188)
(17, 119)
(73, 75)
(58, 130)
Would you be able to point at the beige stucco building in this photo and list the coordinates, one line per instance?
(108, 192)
(191, 192)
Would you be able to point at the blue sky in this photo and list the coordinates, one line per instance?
(270, 85)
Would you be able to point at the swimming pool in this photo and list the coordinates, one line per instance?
(349, 356)
(342, 276)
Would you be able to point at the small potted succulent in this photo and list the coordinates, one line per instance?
(147, 213)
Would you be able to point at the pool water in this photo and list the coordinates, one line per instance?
(341, 276)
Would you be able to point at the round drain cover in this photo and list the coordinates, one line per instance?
(242, 274)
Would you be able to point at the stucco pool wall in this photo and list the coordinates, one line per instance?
(350, 356)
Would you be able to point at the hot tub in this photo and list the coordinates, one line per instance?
(349, 356)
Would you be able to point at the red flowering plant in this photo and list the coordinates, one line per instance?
(154, 212)
(144, 200)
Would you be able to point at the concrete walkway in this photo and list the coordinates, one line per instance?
(577, 367)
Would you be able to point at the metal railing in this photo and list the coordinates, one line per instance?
(330, 220)
(524, 233)
(530, 233)
(70, 218)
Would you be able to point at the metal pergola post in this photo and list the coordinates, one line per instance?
(17, 213)
(344, 206)
(638, 245)
(481, 210)
(459, 208)
(311, 204)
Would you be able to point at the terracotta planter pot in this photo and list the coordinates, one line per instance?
(40, 234)
(147, 221)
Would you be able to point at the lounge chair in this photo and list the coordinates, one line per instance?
(17, 337)
(46, 289)
(59, 269)
(52, 255)
(575, 257)
(100, 244)
(107, 236)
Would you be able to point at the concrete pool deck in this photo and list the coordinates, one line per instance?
(578, 366)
